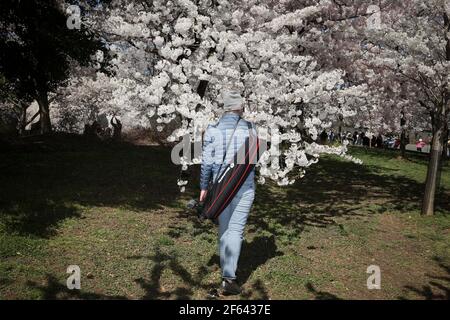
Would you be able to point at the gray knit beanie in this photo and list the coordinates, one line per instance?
(232, 100)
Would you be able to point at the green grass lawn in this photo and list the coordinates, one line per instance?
(115, 211)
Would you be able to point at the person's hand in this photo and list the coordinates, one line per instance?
(203, 195)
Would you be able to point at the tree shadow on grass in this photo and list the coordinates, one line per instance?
(257, 290)
(54, 290)
(40, 218)
(187, 222)
(320, 295)
(254, 254)
(153, 289)
(41, 188)
(162, 261)
(332, 189)
(438, 288)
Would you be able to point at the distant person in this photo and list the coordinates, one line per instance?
(366, 140)
(355, 137)
(448, 148)
(96, 129)
(420, 144)
(117, 128)
(323, 137)
(362, 137)
(380, 141)
(373, 142)
(349, 136)
(331, 136)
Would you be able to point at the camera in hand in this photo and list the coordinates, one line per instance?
(196, 206)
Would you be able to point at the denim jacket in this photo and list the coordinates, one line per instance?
(214, 144)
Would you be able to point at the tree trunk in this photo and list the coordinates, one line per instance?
(201, 89)
(403, 134)
(44, 112)
(445, 144)
(440, 119)
(431, 184)
(23, 119)
(403, 143)
(447, 92)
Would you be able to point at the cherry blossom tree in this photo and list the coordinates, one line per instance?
(401, 50)
(300, 65)
(174, 58)
(412, 46)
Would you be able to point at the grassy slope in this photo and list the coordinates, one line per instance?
(115, 211)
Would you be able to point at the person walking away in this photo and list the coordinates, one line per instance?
(233, 219)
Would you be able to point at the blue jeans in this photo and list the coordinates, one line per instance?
(231, 228)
